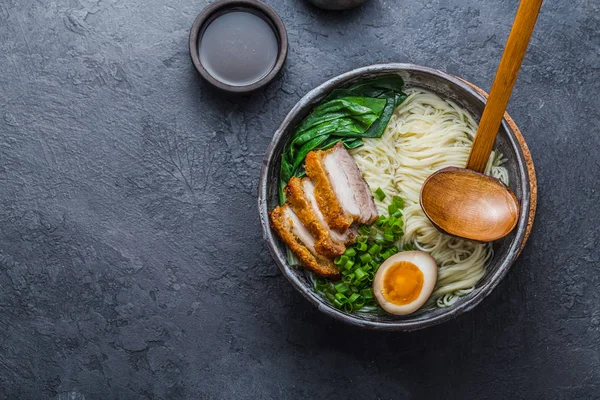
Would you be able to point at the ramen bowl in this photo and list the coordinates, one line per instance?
(509, 142)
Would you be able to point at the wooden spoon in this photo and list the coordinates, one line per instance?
(465, 202)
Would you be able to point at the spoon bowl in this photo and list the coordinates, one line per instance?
(469, 204)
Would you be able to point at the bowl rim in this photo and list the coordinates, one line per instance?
(219, 6)
(399, 325)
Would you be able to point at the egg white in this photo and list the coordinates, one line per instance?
(421, 260)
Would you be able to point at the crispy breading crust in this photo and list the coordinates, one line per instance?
(320, 266)
(350, 234)
(328, 203)
(324, 244)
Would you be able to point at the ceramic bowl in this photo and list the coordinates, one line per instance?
(509, 142)
(221, 7)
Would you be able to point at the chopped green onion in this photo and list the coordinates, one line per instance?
(364, 230)
(365, 258)
(379, 195)
(360, 274)
(375, 249)
(341, 288)
(341, 260)
(353, 297)
(368, 266)
(359, 303)
(350, 252)
(330, 296)
(360, 262)
(398, 201)
(361, 246)
(341, 298)
(348, 265)
(367, 293)
(390, 251)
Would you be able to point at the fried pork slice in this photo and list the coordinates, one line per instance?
(309, 192)
(338, 159)
(289, 228)
(327, 200)
(342, 194)
(324, 243)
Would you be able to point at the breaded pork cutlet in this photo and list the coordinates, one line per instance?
(297, 237)
(341, 192)
(324, 242)
(347, 237)
(332, 210)
(349, 185)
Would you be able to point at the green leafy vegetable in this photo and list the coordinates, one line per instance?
(362, 110)
(360, 262)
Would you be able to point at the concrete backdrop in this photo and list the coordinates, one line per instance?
(131, 257)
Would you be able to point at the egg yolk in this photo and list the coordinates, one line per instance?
(402, 283)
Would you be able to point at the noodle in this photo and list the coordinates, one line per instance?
(426, 134)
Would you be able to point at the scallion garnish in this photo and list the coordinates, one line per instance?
(353, 297)
(360, 262)
(379, 195)
(342, 288)
(365, 258)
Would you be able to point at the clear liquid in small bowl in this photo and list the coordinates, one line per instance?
(238, 48)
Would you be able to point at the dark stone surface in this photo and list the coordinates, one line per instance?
(131, 259)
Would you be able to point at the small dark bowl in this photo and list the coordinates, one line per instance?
(221, 7)
(506, 250)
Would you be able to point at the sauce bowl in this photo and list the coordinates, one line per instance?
(221, 7)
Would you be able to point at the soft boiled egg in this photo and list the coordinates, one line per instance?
(404, 282)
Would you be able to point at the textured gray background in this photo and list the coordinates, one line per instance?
(131, 259)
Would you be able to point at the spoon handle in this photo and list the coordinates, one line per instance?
(505, 79)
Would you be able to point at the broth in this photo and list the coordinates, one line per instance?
(238, 48)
